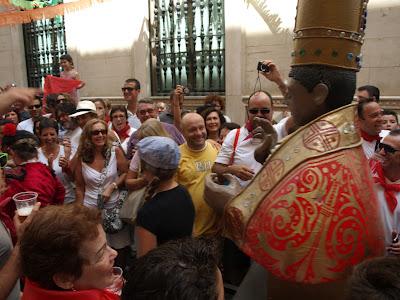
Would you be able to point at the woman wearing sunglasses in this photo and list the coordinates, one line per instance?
(100, 172)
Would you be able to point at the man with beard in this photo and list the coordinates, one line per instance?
(311, 214)
(197, 157)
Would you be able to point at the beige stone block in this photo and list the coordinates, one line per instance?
(381, 52)
(5, 42)
(383, 22)
(119, 66)
(6, 60)
(386, 79)
(363, 76)
(92, 67)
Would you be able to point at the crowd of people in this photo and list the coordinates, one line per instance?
(85, 158)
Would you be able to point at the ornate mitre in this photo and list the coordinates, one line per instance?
(310, 213)
(329, 33)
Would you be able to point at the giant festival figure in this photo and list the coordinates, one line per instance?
(310, 214)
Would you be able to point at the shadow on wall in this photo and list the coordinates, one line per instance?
(273, 21)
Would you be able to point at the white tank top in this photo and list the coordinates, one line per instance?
(68, 185)
(94, 184)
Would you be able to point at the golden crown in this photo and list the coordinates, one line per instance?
(329, 32)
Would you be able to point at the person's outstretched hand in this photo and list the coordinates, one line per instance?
(23, 95)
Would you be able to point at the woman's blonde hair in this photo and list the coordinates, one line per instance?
(86, 149)
(152, 127)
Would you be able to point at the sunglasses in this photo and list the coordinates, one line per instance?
(96, 132)
(263, 111)
(35, 106)
(3, 159)
(129, 89)
(387, 148)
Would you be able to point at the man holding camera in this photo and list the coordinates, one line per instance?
(236, 156)
(174, 111)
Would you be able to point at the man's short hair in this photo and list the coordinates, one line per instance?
(372, 91)
(375, 279)
(135, 81)
(361, 105)
(387, 112)
(261, 91)
(184, 269)
(146, 101)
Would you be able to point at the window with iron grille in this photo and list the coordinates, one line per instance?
(44, 42)
(187, 46)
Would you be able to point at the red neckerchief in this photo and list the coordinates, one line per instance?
(390, 189)
(249, 127)
(32, 291)
(368, 137)
(123, 133)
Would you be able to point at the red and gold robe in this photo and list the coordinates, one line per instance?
(311, 213)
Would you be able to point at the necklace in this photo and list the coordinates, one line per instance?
(47, 153)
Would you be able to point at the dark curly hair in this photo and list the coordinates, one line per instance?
(375, 279)
(185, 269)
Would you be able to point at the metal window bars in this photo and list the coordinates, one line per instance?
(187, 40)
(44, 42)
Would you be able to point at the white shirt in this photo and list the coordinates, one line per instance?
(26, 125)
(69, 187)
(369, 147)
(391, 221)
(280, 128)
(244, 154)
(133, 120)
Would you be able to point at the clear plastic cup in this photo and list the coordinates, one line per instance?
(118, 281)
(24, 203)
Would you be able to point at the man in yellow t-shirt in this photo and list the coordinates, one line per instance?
(197, 158)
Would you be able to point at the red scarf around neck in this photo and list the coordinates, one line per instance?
(368, 137)
(249, 127)
(123, 133)
(390, 188)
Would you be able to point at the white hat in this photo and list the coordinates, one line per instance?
(84, 107)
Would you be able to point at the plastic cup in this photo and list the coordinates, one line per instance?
(25, 202)
(118, 281)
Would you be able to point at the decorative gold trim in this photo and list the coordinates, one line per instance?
(301, 145)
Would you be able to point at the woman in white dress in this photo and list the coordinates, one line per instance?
(51, 153)
(101, 170)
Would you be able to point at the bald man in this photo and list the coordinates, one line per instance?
(197, 158)
(236, 156)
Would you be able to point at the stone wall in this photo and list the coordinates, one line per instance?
(110, 42)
